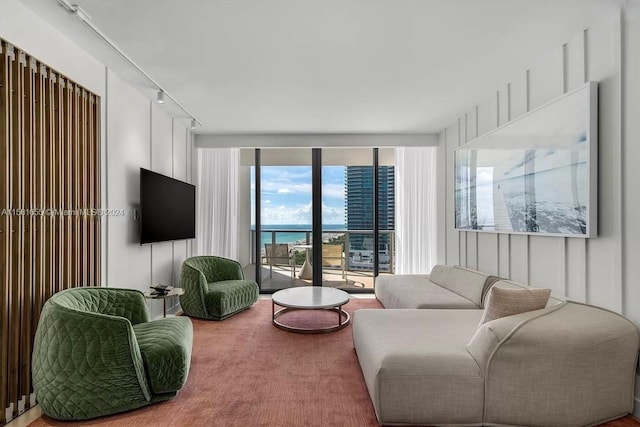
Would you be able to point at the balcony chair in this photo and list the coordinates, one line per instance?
(214, 288)
(96, 353)
(332, 256)
(279, 254)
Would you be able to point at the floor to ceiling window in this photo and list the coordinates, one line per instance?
(281, 225)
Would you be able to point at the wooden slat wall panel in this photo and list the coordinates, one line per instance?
(49, 187)
(5, 231)
(17, 227)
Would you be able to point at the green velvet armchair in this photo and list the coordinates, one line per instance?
(96, 353)
(214, 288)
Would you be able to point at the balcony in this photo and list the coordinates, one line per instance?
(359, 268)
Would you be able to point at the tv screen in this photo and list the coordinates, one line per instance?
(168, 208)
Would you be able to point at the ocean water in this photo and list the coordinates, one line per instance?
(292, 234)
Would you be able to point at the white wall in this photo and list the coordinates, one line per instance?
(315, 140)
(602, 270)
(140, 134)
(136, 132)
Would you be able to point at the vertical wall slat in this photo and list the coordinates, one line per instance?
(29, 223)
(95, 146)
(52, 191)
(62, 189)
(42, 239)
(17, 228)
(5, 231)
(82, 193)
(68, 170)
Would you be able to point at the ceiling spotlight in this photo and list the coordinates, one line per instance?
(160, 97)
(193, 124)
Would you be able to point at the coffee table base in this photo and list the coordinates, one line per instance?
(343, 320)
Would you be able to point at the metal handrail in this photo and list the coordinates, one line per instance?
(307, 240)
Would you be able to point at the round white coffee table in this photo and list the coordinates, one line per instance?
(310, 298)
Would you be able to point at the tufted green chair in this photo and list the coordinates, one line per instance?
(214, 288)
(96, 353)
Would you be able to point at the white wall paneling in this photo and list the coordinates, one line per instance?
(472, 250)
(128, 148)
(180, 159)
(546, 265)
(488, 257)
(443, 170)
(451, 137)
(519, 257)
(504, 255)
(462, 248)
(576, 269)
(574, 62)
(503, 104)
(546, 79)
(487, 114)
(588, 270)
(161, 148)
(517, 96)
(631, 149)
(605, 253)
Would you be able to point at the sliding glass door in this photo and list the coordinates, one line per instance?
(332, 194)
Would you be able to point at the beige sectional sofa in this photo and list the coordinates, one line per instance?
(569, 364)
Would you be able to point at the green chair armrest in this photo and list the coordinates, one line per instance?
(166, 345)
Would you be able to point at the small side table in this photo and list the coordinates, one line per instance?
(172, 293)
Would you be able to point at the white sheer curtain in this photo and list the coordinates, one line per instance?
(416, 222)
(217, 212)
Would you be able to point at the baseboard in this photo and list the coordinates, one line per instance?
(23, 420)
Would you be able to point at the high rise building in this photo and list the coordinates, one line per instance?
(359, 202)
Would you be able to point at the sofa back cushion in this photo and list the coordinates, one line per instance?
(510, 284)
(439, 274)
(503, 302)
(467, 283)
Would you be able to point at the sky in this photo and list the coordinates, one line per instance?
(286, 195)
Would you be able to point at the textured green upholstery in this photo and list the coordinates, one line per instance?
(214, 288)
(89, 361)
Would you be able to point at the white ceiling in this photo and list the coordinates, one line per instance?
(330, 66)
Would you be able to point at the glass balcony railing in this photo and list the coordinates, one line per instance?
(359, 244)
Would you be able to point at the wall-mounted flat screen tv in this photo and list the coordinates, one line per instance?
(168, 208)
(534, 175)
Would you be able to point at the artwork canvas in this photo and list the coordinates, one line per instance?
(535, 175)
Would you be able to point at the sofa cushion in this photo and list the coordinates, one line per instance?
(439, 274)
(503, 302)
(165, 345)
(467, 283)
(510, 284)
(416, 365)
(417, 291)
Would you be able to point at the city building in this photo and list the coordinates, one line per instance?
(359, 210)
